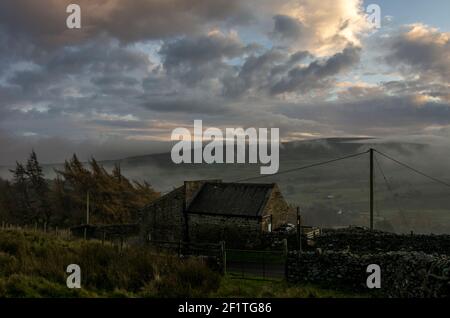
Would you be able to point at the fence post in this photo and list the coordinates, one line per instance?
(264, 264)
(179, 248)
(224, 257)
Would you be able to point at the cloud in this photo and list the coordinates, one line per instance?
(421, 50)
(321, 27)
(69, 73)
(299, 65)
(195, 58)
(258, 72)
(214, 46)
(191, 106)
(287, 28)
(44, 22)
(316, 75)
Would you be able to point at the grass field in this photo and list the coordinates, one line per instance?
(246, 288)
(33, 264)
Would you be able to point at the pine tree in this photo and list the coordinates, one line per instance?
(24, 211)
(39, 190)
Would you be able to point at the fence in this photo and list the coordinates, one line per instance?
(247, 264)
(187, 248)
(119, 242)
(42, 228)
(213, 254)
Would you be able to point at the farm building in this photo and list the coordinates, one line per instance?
(210, 211)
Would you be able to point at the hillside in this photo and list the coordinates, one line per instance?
(330, 195)
(33, 265)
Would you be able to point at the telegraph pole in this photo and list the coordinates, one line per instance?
(87, 208)
(299, 231)
(87, 215)
(371, 188)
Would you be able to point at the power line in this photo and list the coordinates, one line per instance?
(390, 188)
(414, 169)
(305, 167)
(383, 174)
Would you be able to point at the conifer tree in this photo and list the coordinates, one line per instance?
(38, 190)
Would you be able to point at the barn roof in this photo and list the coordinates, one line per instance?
(234, 199)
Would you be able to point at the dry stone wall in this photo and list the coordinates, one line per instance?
(360, 240)
(411, 265)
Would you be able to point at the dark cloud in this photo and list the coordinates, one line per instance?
(316, 74)
(421, 50)
(287, 28)
(259, 72)
(139, 68)
(201, 50)
(44, 22)
(191, 106)
(194, 59)
(72, 71)
(380, 115)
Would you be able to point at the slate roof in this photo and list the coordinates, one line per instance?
(234, 199)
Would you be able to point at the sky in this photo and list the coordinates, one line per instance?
(136, 70)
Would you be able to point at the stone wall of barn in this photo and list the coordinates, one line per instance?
(163, 220)
(278, 208)
(235, 231)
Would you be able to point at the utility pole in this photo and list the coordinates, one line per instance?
(299, 231)
(87, 208)
(87, 215)
(371, 188)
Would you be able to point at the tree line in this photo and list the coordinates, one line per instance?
(31, 199)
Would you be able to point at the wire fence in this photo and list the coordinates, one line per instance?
(59, 232)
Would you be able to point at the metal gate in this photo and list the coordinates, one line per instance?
(254, 264)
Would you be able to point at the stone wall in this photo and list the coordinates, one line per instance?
(278, 208)
(163, 220)
(360, 240)
(403, 274)
(235, 231)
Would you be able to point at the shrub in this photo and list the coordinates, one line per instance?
(189, 278)
(21, 286)
(39, 261)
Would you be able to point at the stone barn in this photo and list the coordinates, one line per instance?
(211, 211)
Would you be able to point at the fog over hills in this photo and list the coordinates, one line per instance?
(162, 173)
(329, 195)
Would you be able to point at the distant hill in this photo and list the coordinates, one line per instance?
(333, 194)
(159, 169)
